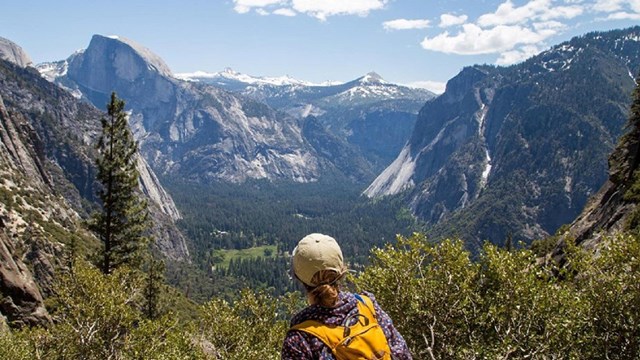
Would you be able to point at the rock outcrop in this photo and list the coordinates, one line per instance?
(20, 298)
(13, 53)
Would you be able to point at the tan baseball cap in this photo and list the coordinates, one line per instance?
(317, 252)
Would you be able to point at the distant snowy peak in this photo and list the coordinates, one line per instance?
(230, 74)
(373, 87)
(373, 91)
(53, 70)
(372, 78)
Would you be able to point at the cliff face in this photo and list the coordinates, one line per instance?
(25, 209)
(11, 52)
(47, 185)
(191, 130)
(613, 207)
(21, 301)
(517, 151)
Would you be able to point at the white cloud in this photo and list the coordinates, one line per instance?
(624, 16)
(284, 12)
(508, 14)
(404, 24)
(320, 9)
(618, 9)
(549, 25)
(433, 86)
(244, 6)
(608, 5)
(514, 32)
(325, 8)
(517, 55)
(474, 40)
(447, 20)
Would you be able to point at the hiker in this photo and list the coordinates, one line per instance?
(337, 324)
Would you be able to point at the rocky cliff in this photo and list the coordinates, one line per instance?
(614, 208)
(374, 116)
(13, 53)
(192, 130)
(517, 151)
(47, 185)
(24, 209)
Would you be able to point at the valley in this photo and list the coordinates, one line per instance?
(486, 186)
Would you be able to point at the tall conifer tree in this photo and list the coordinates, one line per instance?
(123, 220)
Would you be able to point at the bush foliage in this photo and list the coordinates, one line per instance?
(501, 305)
(506, 304)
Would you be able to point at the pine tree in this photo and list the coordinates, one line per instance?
(625, 159)
(154, 280)
(123, 220)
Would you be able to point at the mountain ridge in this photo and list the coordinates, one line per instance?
(369, 113)
(517, 151)
(193, 129)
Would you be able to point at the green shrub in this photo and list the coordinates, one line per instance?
(505, 305)
(253, 327)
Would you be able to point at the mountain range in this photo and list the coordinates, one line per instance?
(504, 152)
(373, 115)
(517, 151)
(48, 186)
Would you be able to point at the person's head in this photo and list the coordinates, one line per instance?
(317, 262)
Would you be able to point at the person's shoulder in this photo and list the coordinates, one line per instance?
(300, 317)
(370, 296)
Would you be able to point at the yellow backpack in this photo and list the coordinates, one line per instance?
(363, 340)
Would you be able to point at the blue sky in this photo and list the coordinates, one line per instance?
(406, 41)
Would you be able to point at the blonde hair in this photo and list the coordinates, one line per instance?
(327, 291)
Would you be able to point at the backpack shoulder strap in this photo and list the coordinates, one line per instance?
(365, 307)
(332, 335)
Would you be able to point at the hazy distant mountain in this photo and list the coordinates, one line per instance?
(370, 113)
(518, 150)
(188, 129)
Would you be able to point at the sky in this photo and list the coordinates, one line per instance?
(414, 42)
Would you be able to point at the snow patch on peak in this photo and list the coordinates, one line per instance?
(396, 178)
(230, 74)
(53, 70)
(372, 78)
(633, 37)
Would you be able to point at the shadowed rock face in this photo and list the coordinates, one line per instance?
(608, 211)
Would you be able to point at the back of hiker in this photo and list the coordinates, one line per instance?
(337, 324)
